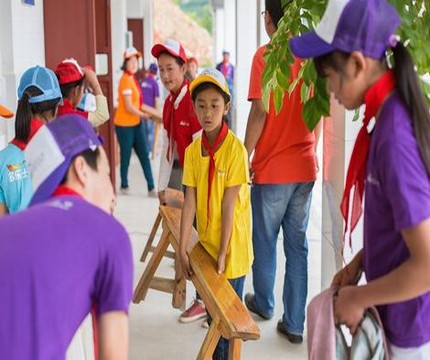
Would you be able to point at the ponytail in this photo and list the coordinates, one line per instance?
(407, 84)
(23, 117)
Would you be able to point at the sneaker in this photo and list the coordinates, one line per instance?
(205, 323)
(292, 338)
(250, 304)
(125, 190)
(152, 194)
(195, 312)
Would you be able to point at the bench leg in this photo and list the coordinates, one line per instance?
(180, 290)
(148, 274)
(234, 349)
(151, 237)
(210, 342)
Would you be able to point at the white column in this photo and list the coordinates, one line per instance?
(339, 137)
(218, 33)
(148, 30)
(22, 44)
(246, 45)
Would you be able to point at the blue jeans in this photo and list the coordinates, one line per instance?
(131, 137)
(221, 350)
(148, 130)
(273, 206)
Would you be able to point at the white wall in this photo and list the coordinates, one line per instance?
(21, 46)
(119, 28)
(148, 30)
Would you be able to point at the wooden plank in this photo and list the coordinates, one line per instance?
(145, 280)
(162, 284)
(210, 342)
(234, 349)
(148, 246)
(180, 287)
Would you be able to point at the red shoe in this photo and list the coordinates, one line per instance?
(196, 311)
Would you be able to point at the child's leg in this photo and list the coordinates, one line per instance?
(221, 350)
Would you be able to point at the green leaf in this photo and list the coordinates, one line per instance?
(278, 98)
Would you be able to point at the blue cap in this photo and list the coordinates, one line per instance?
(42, 78)
(153, 68)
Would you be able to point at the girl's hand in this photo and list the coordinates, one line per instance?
(185, 264)
(349, 275)
(347, 309)
(221, 263)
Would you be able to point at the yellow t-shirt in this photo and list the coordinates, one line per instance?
(127, 86)
(231, 169)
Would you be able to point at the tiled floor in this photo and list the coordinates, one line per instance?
(155, 333)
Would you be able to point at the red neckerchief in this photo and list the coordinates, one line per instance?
(63, 190)
(224, 68)
(355, 177)
(211, 149)
(137, 85)
(169, 125)
(67, 108)
(35, 125)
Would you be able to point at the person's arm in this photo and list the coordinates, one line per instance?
(153, 113)
(187, 218)
(255, 125)
(130, 108)
(101, 114)
(113, 336)
(411, 279)
(92, 81)
(165, 169)
(227, 216)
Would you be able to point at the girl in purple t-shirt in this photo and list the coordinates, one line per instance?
(390, 163)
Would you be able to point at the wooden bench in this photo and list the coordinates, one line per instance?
(230, 318)
(175, 198)
(175, 285)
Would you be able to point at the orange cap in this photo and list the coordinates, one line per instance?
(5, 112)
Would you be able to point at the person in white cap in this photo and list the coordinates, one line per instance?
(129, 113)
(181, 127)
(66, 254)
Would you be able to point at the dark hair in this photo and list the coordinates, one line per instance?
(90, 156)
(26, 111)
(275, 10)
(67, 88)
(407, 85)
(208, 85)
(178, 60)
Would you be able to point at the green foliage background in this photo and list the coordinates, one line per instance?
(200, 11)
(301, 16)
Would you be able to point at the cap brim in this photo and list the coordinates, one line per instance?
(5, 112)
(310, 45)
(207, 79)
(159, 48)
(47, 187)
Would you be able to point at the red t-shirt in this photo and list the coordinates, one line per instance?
(180, 121)
(285, 151)
(67, 108)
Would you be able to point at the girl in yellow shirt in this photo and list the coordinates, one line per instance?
(216, 177)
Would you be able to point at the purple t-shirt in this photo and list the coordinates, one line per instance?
(58, 259)
(397, 197)
(150, 91)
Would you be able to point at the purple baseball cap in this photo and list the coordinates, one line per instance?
(52, 149)
(350, 25)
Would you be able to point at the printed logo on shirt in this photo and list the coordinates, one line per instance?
(17, 172)
(61, 204)
(184, 123)
(371, 179)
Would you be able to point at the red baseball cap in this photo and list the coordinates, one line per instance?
(69, 71)
(173, 47)
(5, 112)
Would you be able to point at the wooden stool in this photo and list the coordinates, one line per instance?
(230, 318)
(176, 286)
(175, 198)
